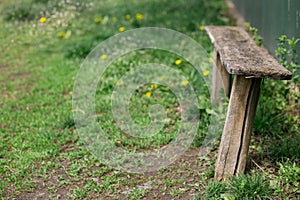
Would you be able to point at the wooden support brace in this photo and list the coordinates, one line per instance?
(238, 126)
(221, 79)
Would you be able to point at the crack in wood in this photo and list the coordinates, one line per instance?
(243, 129)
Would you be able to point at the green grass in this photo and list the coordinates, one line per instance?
(250, 187)
(254, 186)
(40, 151)
(214, 190)
(40, 63)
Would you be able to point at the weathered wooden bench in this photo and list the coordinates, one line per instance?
(237, 54)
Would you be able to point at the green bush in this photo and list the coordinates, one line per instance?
(273, 118)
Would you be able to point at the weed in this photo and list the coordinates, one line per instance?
(137, 194)
(254, 31)
(214, 190)
(250, 187)
(290, 173)
(277, 112)
(209, 173)
(78, 193)
(172, 182)
(175, 192)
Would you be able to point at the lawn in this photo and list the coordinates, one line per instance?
(43, 155)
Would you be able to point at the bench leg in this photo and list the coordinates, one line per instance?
(238, 126)
(221, 79)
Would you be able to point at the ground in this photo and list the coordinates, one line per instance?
(43, 44)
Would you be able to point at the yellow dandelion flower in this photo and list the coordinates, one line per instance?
(185, 82)
(153, 86)
(120, 84)
(122, 29)
(114, 19)
(61, 34)
(127, 16)
(202, 27)
(98, 20)
(178, 62)
(148, 94)
(205, 73)
(210, 60)
(43, 19)
(139, 16)
(103, 57)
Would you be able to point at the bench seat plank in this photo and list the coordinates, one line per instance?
(241, 56)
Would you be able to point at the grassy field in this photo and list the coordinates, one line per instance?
(43, 44)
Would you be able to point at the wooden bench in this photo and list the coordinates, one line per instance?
(237, 54)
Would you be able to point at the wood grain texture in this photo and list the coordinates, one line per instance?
(241, 56)
(238, 126)
(220, 79)
(248, 124)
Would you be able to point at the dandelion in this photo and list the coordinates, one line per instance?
(205, 73)
(61, 34)
(122, 29)
(66, 35)
(210, 60)
(185, 82)
(127, 16)
(103, 57)
(202, 27)
(120, 84)
(178, 62)
(148, 94)
(43, 19)
(153, 86)
(98, 20)
(139, 16)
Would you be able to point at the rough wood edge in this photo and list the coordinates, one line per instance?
(220, 79)
(238, 126)
(248, 125)
(269, 69)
